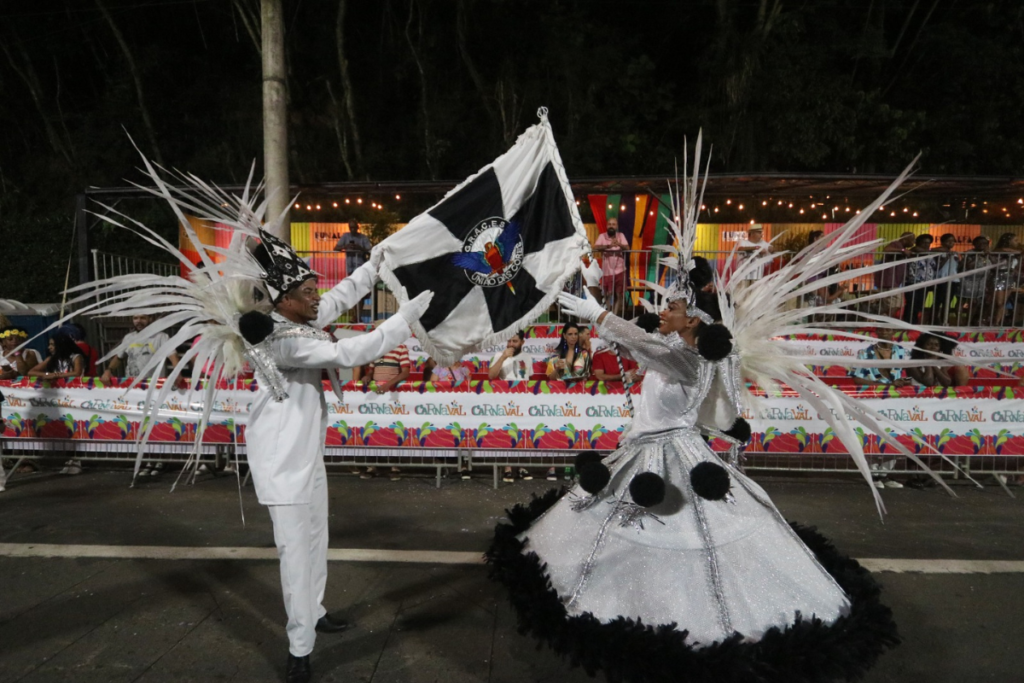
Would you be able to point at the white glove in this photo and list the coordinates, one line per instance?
(584, 309)
(414, 309)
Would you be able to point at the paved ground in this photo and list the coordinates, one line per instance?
(90, 619)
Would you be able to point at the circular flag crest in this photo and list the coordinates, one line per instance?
(492, 252)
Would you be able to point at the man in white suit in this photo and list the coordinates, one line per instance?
(288, 426)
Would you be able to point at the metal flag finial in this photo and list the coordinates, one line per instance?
(542, 114)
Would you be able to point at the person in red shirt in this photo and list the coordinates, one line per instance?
(605, 367)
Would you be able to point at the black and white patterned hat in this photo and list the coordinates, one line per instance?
(283, 270)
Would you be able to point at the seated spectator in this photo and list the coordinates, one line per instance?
(454, 373)
(16, 363)
(884, 349)
(139, 352)
(510, 365)
(927, 346)
(605, 367)
(570, 361)
(64, 362)
(393, 368)
(77, 333)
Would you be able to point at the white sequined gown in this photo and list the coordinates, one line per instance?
(710, 567)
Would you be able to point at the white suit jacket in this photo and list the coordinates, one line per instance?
(285, 440)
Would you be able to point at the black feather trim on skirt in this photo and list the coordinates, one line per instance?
(627, 650)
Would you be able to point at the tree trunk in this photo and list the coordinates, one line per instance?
(346, 84)
(340, 130)
(136, 78)
(275, 116)
(428, 143)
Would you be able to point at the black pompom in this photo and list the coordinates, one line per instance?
(593, 476)
(647, 489)
(255, 326)
(740, 430)
(714, 342)
(584, 457)
(648, 322)
(710, 481)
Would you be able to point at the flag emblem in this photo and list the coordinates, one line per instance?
(492, 253)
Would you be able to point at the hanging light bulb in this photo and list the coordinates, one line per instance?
(740, 207)
(398, 196)
(308, 207)
(716, 209)
(334, 204)
(317, 207)
(622, 207)
(791, 205)
(728, 201)
(347, 200)
(824, 216)
(298, 206)
(359, 201)
(765, 203)
(609, 206)
(801, 212)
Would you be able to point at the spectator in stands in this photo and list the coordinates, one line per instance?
(387, 372)
(64, 362)
(612, 244)
(139, 352)
(928, 346)
(919, 271)
(77, 333)
(754, 246)
(973, 287)
(356, 247)
(570, 361)
(947, 263)
(605, 367)
(883, 349)
(1006, 278)
(16, 363)
(894, 253)
(510, 365)
(453, 374)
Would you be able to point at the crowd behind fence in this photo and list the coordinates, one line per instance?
(992, 298)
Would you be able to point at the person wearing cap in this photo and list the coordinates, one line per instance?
(754, 246)
(288, 425)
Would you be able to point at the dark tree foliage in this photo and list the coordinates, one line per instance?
(433, 89)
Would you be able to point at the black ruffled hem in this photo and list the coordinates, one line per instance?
(626, 650)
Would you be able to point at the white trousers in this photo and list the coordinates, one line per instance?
(300, 532)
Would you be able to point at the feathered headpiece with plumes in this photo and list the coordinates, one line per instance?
(761, 314)
(686, 197)
(211, 304)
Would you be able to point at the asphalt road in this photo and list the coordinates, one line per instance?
(78, 617)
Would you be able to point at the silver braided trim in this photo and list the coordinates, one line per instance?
(262, 356)
(622, 373)
(695, 312)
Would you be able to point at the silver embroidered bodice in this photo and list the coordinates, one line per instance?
(678, 380)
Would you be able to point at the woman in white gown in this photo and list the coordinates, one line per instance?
(671, 573)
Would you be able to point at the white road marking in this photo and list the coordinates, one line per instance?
(158, 552)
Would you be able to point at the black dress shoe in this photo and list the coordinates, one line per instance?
(299, 670)
(329, 624)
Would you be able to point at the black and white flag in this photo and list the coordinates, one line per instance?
(496, 251)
